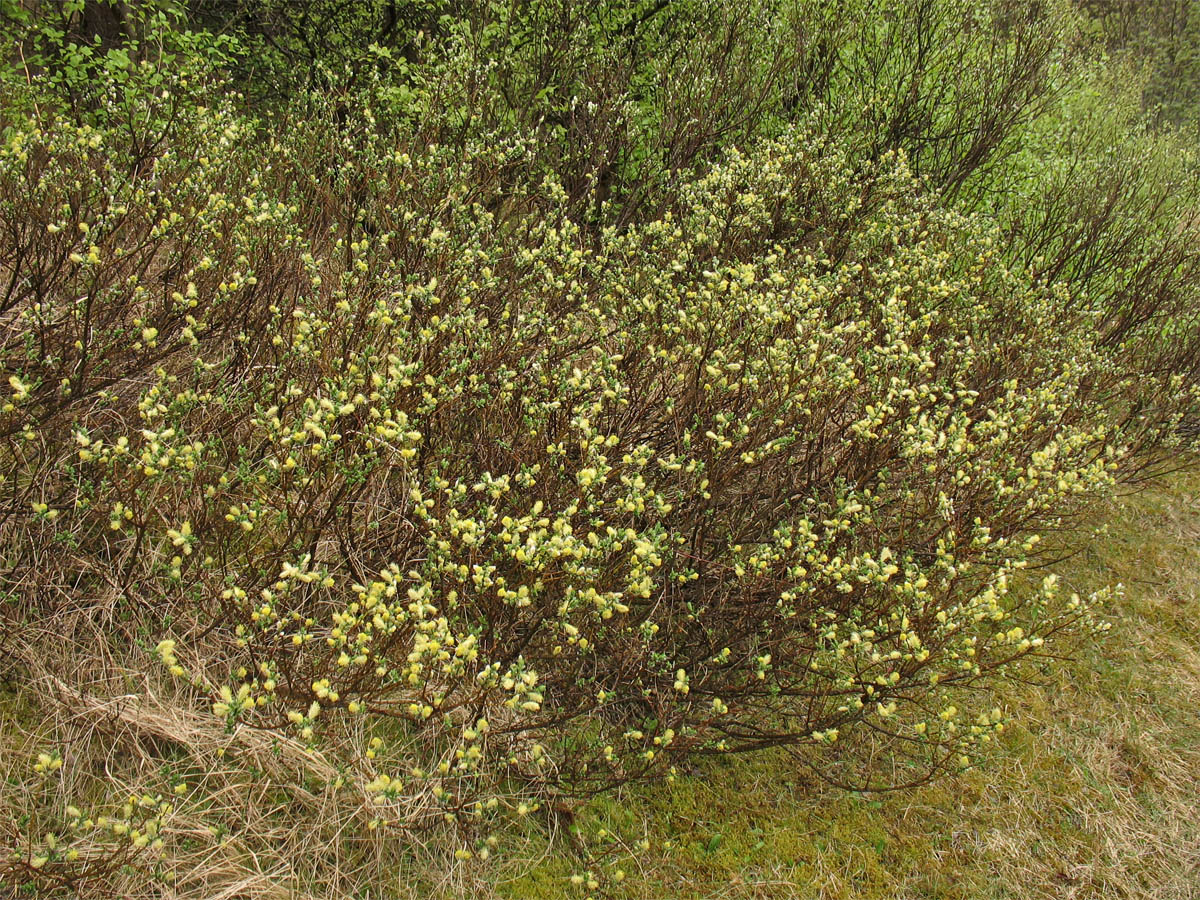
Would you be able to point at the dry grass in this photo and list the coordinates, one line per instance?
(1094, 793)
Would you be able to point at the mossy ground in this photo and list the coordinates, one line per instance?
(1095, 791)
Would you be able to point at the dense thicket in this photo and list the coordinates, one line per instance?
(503, 402)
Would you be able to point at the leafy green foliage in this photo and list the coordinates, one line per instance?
(526, 406)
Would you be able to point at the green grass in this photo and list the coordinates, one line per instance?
(1093, 792)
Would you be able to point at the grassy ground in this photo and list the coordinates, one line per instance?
(1095, 792)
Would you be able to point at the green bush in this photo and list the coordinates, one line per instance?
(411, 485)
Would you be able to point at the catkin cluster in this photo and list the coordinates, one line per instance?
(466, 502)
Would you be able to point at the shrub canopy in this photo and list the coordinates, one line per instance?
(479, 435)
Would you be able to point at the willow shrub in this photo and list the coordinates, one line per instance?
(391, 462)
(1099, 200)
